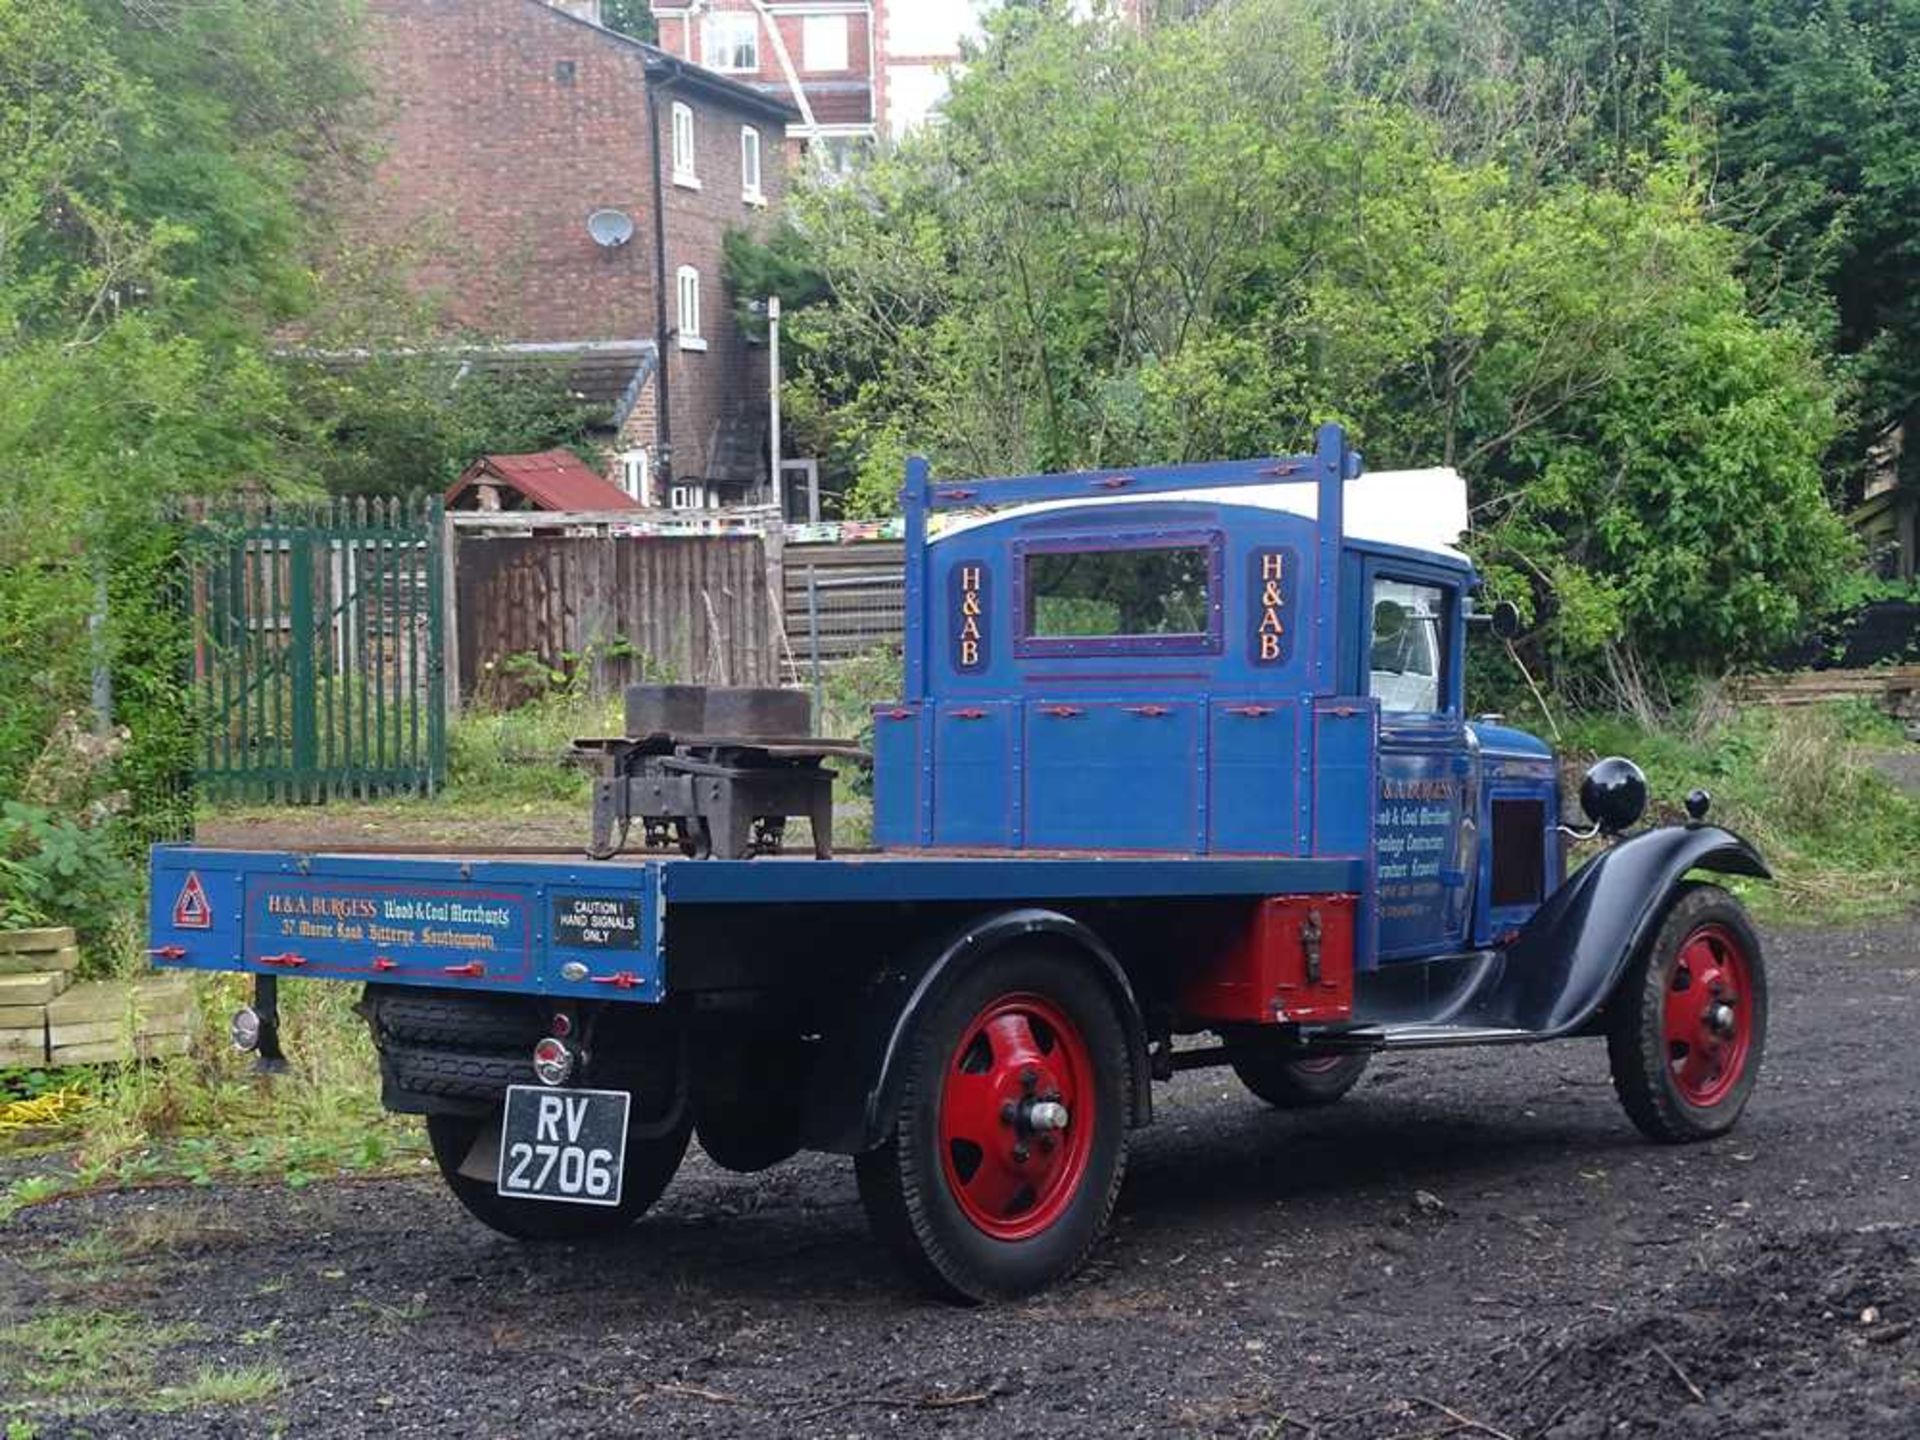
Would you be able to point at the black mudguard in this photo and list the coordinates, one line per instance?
(1567, 959)
(855, 1093)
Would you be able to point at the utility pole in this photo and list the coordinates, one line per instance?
(773, 404)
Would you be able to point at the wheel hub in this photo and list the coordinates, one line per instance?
(1011, 1151)
(1707, 1026)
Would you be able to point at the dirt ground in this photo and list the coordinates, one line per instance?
(1473, 1244)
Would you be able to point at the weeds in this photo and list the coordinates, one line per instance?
(83, 1360)
(1839, 836)
(210, 1386)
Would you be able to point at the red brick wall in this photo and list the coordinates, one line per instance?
(508, 125)
(493, 161)
(685, 40)
(703, 384)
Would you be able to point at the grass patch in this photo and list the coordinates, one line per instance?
(85, 1358)
(210, 1387)
(81, 1360)
(1798, 783)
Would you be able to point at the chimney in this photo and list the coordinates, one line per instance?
(579, 9)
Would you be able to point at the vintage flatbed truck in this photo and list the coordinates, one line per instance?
(1182, 752)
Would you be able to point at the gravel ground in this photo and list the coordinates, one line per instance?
(1474, 1243)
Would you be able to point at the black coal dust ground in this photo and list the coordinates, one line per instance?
(1473, 1244)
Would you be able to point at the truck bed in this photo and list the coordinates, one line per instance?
(556, 923)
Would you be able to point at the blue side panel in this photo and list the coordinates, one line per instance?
(556, 929)
(976, 764)
(898, 779)
(1423, 885)
(1344, 744)
(1115, 775)
(1254, 802)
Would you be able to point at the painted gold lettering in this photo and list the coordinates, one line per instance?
(969, 652)
(1271, 565)
(1269, 646)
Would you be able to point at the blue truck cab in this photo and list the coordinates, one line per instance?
(1183, 774)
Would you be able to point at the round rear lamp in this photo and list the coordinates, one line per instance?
(553, 1061)
(244, 1029)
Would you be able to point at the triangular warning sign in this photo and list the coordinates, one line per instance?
(191, 911)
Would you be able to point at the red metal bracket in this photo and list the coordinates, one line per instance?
(896, 714)
(969, 714)
(1292, 467)
(1062, 712)
(1252, 712)
(473, 968)
(955, 494)
(385, 962)
(1113, 482)
(169, 952)
(1152, 712)
(288, 961)
(620, 980)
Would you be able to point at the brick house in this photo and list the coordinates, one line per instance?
(565, 191)
(857, 70)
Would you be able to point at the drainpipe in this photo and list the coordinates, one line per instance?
(663, 456)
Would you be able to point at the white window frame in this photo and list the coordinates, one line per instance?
(745, 27)
(685, 150)
(752, 149)
(686, 308)
(812, 26)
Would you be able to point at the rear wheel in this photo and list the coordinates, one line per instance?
(1688, 1024)
(1007, 1152)
(462, 1141)
(1289, 1080)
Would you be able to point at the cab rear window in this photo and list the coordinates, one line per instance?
(1118, 592)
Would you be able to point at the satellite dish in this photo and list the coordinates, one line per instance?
(610, 228)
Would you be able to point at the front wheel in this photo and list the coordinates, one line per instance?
(1688, 1023)
(467, 1152)
(1008, 1148)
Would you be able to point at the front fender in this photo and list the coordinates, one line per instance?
(856, 1089)
(1566, 960)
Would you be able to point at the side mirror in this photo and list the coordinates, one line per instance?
(1506, 620)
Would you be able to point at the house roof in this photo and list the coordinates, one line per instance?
(555, 480)
(683, 73)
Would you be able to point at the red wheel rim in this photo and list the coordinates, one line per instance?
(1318, 1064)
(1017, 1117)
(1709, 1015)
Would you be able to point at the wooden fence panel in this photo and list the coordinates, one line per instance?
(691, 608)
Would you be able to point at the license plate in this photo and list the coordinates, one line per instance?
(563, 1145)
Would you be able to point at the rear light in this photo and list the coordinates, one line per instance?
(553, 1061)
(562, 1024)
(244, 1029)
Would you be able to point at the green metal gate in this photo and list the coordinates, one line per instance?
(318, 648)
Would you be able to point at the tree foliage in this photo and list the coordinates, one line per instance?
(1202, 241)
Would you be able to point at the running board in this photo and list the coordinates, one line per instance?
(1424, 1037)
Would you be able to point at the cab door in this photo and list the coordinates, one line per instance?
(1424, 835)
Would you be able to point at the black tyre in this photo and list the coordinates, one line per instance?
(980, 1192)
(1688, 1024)
(1285, 1078)
(649, 1165)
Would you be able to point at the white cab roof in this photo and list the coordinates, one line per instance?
(1422, 510)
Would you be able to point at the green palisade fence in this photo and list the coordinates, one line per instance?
(318, 649)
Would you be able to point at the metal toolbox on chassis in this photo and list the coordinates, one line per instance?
(553, 926)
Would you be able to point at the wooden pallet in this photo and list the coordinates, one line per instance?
(1890, 684)
(47, 1019)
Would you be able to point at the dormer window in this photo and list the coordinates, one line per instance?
(733, 43)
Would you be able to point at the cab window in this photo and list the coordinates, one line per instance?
(1408, 647)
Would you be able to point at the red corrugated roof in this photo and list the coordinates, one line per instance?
(551, 480)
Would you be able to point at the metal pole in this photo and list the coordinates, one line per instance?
(773, 403)
(102, 653)
(813, 639)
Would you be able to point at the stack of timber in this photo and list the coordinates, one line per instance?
(114, 1020)
(36, 967)
(1896, 687)
(45, 1018)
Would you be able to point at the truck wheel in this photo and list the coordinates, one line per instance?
(650, 1163)
(1288, 1080)
(1688, 1023)
(1008, 1149)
